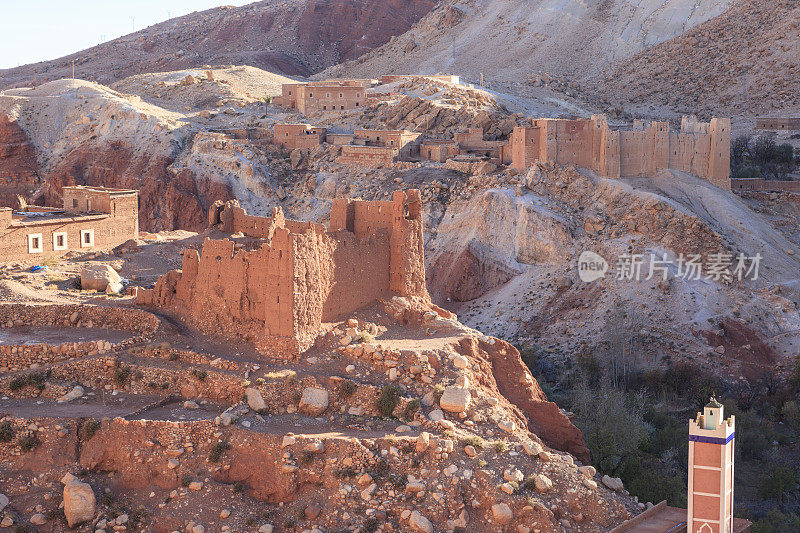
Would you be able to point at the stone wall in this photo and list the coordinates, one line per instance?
(278, 285)
(368, 156)
(17, 357)
(765, 185)
(336, 96)
(777, 124)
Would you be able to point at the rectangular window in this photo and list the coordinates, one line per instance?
(311, 95)
(87, 238)
(60, 241)
(75, 203)
(341, 95)
(88, 205)
(324, 107)
(35, 243)
(356, 104)
(328, 95)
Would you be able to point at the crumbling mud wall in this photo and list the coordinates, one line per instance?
(279, 283)
(702, 149)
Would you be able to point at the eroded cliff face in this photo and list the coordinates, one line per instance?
(167, 199)
(513, 380)
(19, 170)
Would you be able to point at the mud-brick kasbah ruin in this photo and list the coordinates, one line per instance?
(268, 374)
(285, 278)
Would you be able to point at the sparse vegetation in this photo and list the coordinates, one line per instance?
(637, 430)
(762, 157)
(201, 375)
(29, 442)
(411, 407)
(90, 427)
(217, 450)
(34, 379)
(121, 373)
(347, 388)
(388, 399)
(473, 440)
(7, 431)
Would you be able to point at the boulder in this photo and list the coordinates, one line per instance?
(74, 394)
(79, 502)
(542, 483)
(419, 523)
(314, 401)
(254, 399)
(98, 277)
(3, 501)
(423, 441)
(455, 399)
(532, 447)
(38, 519)
(613, 483)
(502, 514)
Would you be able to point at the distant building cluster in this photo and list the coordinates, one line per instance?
(699, 148)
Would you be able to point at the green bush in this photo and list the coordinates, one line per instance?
(217, 450)
(411, 408)
(748, 172)
(777, 522)
(29, 442)
(34, 379)
(89, 429)
(121, 374)
(389, 399)
(347, 388)
(780, 481)
(7, 431)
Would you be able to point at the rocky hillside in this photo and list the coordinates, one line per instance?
(510, 41)
(741, 62)
(295, 37)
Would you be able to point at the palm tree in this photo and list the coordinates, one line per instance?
(266, 100)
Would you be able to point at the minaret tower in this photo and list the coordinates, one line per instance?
(711, 471)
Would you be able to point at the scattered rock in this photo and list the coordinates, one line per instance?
(254, 399)
(419, 523)
(613, 483)
(79, 502)
(455, 399)
(98, 277)
(502, 514)
(314, 401)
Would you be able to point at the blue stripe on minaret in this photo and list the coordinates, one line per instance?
(712, 440)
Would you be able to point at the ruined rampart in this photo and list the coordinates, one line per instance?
(280, 283)
(702, 149)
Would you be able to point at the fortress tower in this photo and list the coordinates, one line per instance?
(710, 499)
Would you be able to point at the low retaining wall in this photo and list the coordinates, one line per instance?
(765, 185)
(13, 358)
(79, 316)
